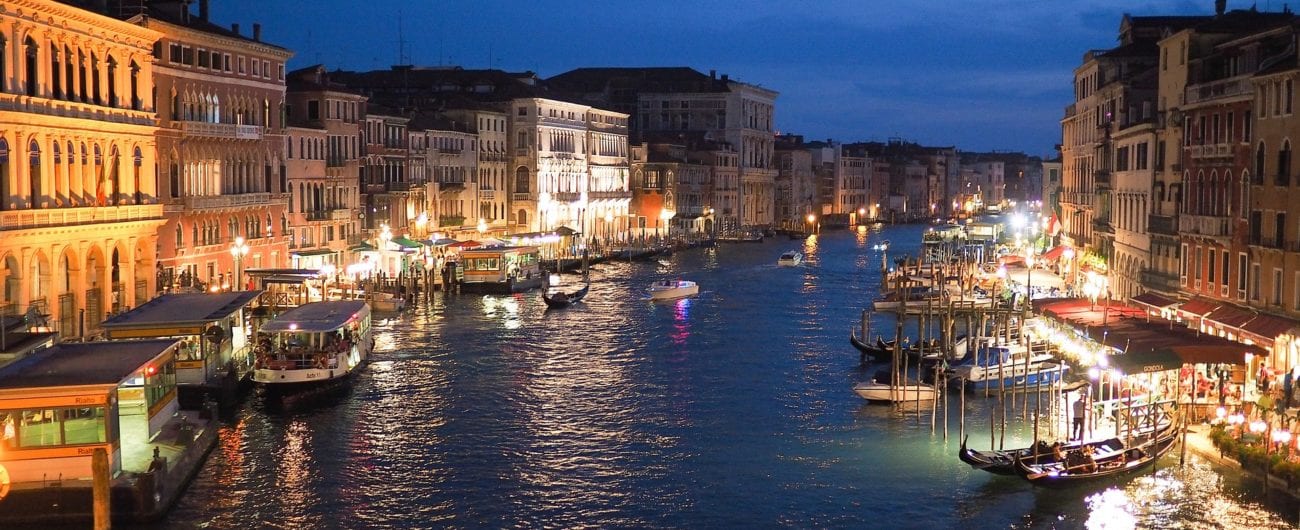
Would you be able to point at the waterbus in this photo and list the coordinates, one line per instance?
(500, 270)
(317, 342)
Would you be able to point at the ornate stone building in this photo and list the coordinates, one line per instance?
(220, 148)
(79, 212)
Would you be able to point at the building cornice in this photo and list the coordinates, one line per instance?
(97, 25)
(197, 36)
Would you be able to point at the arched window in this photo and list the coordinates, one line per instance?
(34, 171)
(70, 92)
(180, 236)
(521, 180)
(4, 63)
(112, 81)
(1259, 164)
(33, 61)
(266, 113)
(1284, 164)
(137, 161)
(5, 188)
(194, 234)
(95, 89)
(135, 86)
(114, 176)
(56, 82)
(97, 173)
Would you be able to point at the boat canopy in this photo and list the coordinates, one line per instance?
(316, 317)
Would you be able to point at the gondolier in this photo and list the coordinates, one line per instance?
(1079, 409)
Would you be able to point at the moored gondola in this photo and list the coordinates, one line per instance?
(1089, 463)
(881, 352)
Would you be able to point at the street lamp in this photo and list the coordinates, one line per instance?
(812, 228)
(665, 215)
(385, 235)
(482, 226)
(883, 247)
(238, 250)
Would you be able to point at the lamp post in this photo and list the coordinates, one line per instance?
(862, 214)
(1029, 281)
(665, 215)
(385, 235)
(238, 250)
(812, 226)
(883, 247)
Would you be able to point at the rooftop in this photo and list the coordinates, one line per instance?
(82, 364)
(189, 308)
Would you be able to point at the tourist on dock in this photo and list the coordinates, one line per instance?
(1080, 406)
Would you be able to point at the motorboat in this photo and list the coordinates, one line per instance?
(880, 389)
(790, 259)
(673, 289)
(314, 343)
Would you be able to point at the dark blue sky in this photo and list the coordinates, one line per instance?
(977, 74)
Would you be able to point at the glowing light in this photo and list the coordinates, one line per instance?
(812, 218)
(293, 326)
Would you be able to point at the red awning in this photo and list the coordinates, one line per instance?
(1197, 307)
(465, 244)
(1011, 258)
(1153, 301)
(1269, 327)
(1230, 316)
(1055, 253)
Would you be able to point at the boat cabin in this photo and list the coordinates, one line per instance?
(315, 336)
(500, 270)
(60, 404)
(213, 330)
(283, 288)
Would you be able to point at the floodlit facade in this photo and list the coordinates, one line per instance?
(79, 209)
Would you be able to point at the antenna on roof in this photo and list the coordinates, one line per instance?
(401, 42)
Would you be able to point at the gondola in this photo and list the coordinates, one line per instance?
(882, 351)
(1113, 460)
(561, 299)
(1004, 462)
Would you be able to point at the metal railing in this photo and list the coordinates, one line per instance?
(1223, 88)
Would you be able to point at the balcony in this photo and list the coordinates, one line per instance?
(221, 130)
(609, 195)
(1102, 226)
(320, 215)
(1224, 88)
(23, 219)
(1162, 224)
(522, 197)
(487, 195)
(566, 196)
(340, 214)
(1203, 225)
(1101, 177)
(1210, 151)
(217, 202)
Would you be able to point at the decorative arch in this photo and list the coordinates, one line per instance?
(6, 187)
(11, 274)
(522, 180)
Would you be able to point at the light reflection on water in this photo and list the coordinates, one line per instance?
(728, 409)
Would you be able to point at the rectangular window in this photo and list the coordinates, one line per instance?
(1209, 278)
(1226, 257)
(1142, 162)
(313, 110)
(1245, 126)
(1254, 281)
(176, 54)
(1232, 128)
(187, 55)
(1277, 287)
(225, 62)
(1183, 264)
(1288, 95)
(1241, 276)
(241, 65)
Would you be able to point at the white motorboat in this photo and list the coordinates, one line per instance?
(874, 391)
(313, 343)
(790, 259)
(673, 289)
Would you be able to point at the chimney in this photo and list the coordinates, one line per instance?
(724, 78)
(1220, 6)
(203, 10)
(235, 28)
(257, 32)
(713, 74)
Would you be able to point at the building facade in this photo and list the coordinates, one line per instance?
(79, 208)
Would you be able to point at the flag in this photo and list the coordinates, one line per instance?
(106, 178)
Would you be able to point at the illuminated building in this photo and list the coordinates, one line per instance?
(220, 147)
(79, 211)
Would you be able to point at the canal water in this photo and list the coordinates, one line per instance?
(730, 409)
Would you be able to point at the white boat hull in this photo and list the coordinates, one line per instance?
(903, 393)
(338, 368)
(674, 293)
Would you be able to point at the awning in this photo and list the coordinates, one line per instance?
(1153, 301)
(1230, 316)
(406, 242)
(1197, 307)
(1055, 253)
(362, 247)
(465, 244)
(313, 252)
(439, 242)
(566, 231)
(1148, 361)
(1269, 327)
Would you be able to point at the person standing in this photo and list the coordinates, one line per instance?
(1080, 407)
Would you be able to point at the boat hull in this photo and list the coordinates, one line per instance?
(675, 293)
(1041, 375)
(882, 393)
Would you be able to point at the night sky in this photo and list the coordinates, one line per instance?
(977, 74)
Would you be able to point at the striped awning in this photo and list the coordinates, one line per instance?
(1230, 316)
(1197, 307)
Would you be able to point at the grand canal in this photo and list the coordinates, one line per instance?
(731, 409)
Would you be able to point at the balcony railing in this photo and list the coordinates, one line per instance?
(221, 130)
(340, 214)
(20, 219)
(1210, 151)
(210, 202)
(1223, 88)
(1101, 177)
(1204, 225)
(487, 195)
(609, 195)
(522, 197)
(566, 196)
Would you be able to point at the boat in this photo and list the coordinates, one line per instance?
(500, 270)
(559, 299)
(997, 367)
(882, 351)
(1004, 462)
(673, 289)
(314, 343)
(880, 389)
(790, 259)
(1112, 458)
(797, 235)
(913, 296)
(385, 302)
